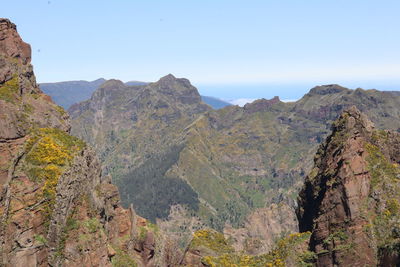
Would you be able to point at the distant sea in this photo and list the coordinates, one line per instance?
(241, 93)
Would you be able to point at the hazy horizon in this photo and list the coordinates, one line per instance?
(293, 45)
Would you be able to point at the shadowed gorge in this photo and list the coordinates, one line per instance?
(149, 184)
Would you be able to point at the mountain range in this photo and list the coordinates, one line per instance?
(308, 183)
(68, 93)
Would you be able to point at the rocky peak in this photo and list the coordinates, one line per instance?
(352, 183)
(327, 89)
(11, 44)
(352, 120)
(169, 84)
(169, 78)
(113, 83)
(261, 104)
(56, 207)
(21, 101)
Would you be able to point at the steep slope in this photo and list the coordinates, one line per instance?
(350, 200)
(68, 93)
(260, 152)
(137, 131)
(229, 166)
(56, 209)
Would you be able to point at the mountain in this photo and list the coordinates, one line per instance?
(56, 206)
(132, 126)
(230, 166)
(350, 199)
(214, 102)
(67, 93)
(189, 167)
(348, 207)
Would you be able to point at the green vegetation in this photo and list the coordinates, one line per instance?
(149, 184)
(41, 239)
(28, 108)
(60, 110)
(9, 90)
(336, 236)
(92, 225)
(384, 217)
(122, 259)
(291, 248)
(212, 240)
(380, 168)
(71, 224)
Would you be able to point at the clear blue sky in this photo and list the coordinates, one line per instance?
(214, 42)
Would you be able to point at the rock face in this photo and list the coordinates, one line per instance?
(23, 104)
(262, 228)
(350, 200)
(57, 209)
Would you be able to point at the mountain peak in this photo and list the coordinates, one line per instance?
(168, 77)
(353, 180)
(170, 80)
(99, 80)
(11, 44)
(352, 119)
(261, 104)
(327, 89)
(113, 83)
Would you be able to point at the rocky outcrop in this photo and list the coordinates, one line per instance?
(262, 228)
(12, 44)
(57, 209)
(261, 105)
(22, 103)
(350, 200)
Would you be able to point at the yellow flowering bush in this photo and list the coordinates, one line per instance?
(211, 239)
(289, 246)
(48, 154)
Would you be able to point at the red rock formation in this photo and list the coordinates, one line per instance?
(11, 44)
(343, 198)
(56, 208)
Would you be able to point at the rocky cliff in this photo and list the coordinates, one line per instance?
(350, 200)
(57, 209)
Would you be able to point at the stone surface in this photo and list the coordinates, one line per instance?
(346, 195)
(57, 209)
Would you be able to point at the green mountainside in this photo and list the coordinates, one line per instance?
(68, 93)
(163, 146)
(135, 127)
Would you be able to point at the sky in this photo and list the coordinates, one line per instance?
(227, 48)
